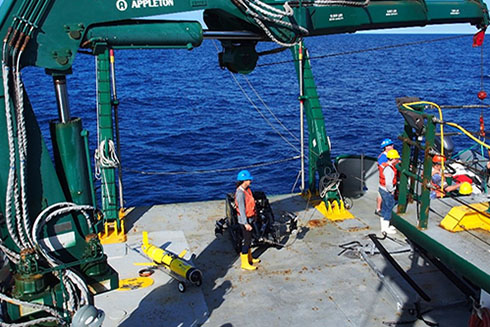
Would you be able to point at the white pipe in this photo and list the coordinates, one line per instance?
(301, 124)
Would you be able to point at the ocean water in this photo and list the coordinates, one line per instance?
(180, 112)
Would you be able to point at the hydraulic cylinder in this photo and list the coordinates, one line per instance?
(70, 160)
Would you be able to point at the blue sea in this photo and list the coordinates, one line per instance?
(179, 112)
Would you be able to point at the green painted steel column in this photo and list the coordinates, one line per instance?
(403, 187)
(319, 150)
(427, 175)
(71, 165)
(106, 134)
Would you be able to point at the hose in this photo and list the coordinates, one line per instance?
(480, 318)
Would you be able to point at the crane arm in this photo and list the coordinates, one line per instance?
(52, 31)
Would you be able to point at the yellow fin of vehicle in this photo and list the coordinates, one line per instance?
(144, 263)
(183, 253)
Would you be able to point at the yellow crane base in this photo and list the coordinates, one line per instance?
(467, 217)
(112, 234)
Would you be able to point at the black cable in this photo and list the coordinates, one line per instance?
(368, 50)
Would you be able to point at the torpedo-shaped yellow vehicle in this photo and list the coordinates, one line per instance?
(175, 265)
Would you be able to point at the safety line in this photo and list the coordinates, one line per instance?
(268, 109)
(260, 164)
(368, 50)
(257, 109)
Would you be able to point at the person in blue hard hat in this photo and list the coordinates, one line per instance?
(386, 145)
(245, 206)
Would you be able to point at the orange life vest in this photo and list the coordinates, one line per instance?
(380, 167)
(382, 179)
(249, 204)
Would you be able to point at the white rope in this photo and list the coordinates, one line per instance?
(268, 12)
(324, 3)
(296, 181)
(35, 322)
(36, 306)
(105, 161)
(262, 12)
(11, 255)
(12, 164)
(64, 208)
(54, 211)
(23, 215)
(271, 36)
(78, 281)
(288, 11)
(273, 15)
(268, 109)
(329, 183)
(258, 110)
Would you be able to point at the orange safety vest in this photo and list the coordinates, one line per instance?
(382, 179)
(249, 204)
(380, 168)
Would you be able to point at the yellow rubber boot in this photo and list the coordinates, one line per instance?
(251, 260)
(245, 264)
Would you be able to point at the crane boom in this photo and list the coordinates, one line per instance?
(57, 30)
(50, 225)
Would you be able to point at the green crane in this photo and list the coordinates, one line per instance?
(50, 217)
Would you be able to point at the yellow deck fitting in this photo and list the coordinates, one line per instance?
(334, 211)
(122, 213)
(130, 284)
(112, 234)
(464, 217)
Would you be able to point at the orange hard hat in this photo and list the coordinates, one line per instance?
(438, 159)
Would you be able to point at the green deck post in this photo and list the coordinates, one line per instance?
(318, 148)
(106, 133)
(403, 188)
(427, 175)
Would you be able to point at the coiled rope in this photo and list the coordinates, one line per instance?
(263, 13)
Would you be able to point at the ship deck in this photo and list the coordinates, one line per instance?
(306, 283)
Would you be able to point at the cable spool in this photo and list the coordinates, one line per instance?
(147, 272)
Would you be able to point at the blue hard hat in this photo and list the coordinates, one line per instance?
(386, 142)
(244, 175)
